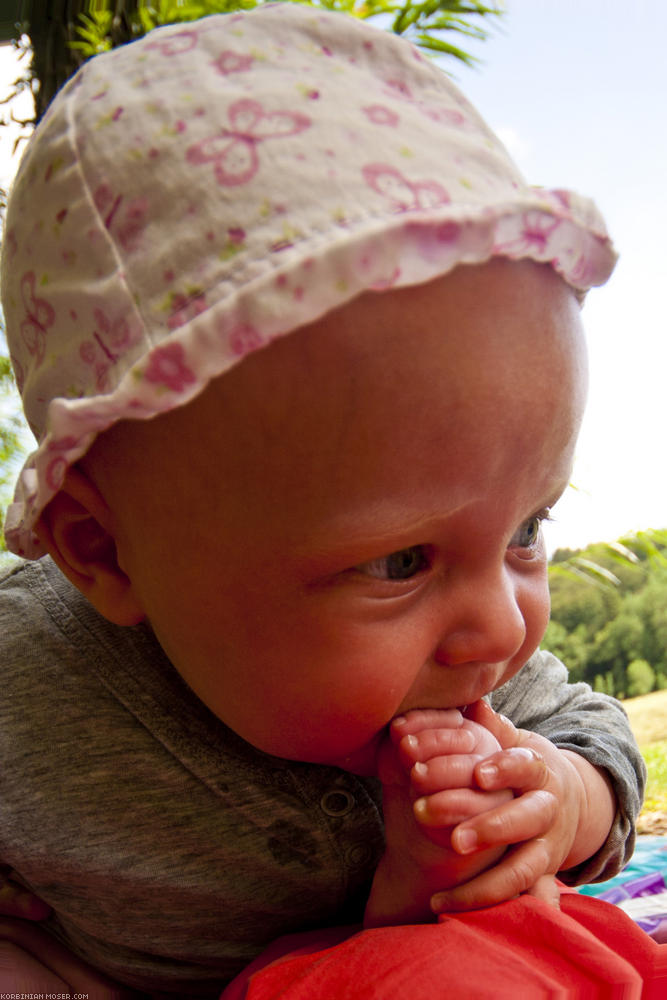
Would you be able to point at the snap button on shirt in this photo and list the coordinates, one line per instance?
(337, 802)
(358, 855)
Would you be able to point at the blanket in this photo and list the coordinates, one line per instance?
(521, 948)
(641, 888)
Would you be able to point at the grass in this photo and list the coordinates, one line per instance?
(648, 718)
(655, 755)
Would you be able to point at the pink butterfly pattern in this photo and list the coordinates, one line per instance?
(232, 62)
(39, 316)
(167, 367)
(406, 195)
(126, 219)
(109, 343)
(234, 150)
(183, 308)
(378, 114)
(245, 338)
(400, 90)
(176, 44)
(537, 232)
(58, 464)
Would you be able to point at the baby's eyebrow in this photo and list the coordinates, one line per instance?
(354, 537)
(387, 519)
(386, 526)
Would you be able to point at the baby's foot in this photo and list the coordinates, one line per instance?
(426, 768)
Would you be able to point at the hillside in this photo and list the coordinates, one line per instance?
(648, 718)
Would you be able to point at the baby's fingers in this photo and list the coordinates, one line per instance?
(499, 725)
(519, 871)
(529, 816)
(520, 768)
(447, 808)
(546, 889)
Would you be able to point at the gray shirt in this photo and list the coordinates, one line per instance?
(171, 851)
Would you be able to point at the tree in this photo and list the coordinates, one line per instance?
(582, 600)
(10, 427)
(652, 609)
(614, 647)
(604, 684)
(11, 421)
(600, 626)
(571, 647)
(641, 678)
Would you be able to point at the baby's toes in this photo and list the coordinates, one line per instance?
(419, 719)
(439, 773)
(423, 747)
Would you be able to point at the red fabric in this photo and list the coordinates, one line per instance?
(518, 950)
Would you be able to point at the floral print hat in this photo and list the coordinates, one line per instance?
(199, 192)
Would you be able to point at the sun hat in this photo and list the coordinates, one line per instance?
(195, 194)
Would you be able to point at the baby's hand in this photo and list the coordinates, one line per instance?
(541, 820)
(426, 767)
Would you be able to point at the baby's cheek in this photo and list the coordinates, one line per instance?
(536, 604)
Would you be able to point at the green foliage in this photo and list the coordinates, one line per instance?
(426, 23)
(93, 33)
(640, 678)
(604, 683)
(11, 436)
(655, 755)
(12, 425)
(609, 613)
(569, 645)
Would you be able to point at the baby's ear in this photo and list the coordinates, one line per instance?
(76, 529)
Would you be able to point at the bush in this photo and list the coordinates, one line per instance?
(640, 678)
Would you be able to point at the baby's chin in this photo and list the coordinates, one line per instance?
(363, 761)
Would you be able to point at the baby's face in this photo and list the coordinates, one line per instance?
(353, 514)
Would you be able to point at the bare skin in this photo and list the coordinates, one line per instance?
(33, 962)
(428, 760)
(367, 536)
(561, 807)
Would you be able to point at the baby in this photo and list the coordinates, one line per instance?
(304, 358)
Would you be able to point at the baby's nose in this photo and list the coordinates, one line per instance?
(484, 621)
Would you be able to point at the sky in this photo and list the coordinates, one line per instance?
(577, 89)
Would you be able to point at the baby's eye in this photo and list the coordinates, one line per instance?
(401, 565)
(528, 533)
